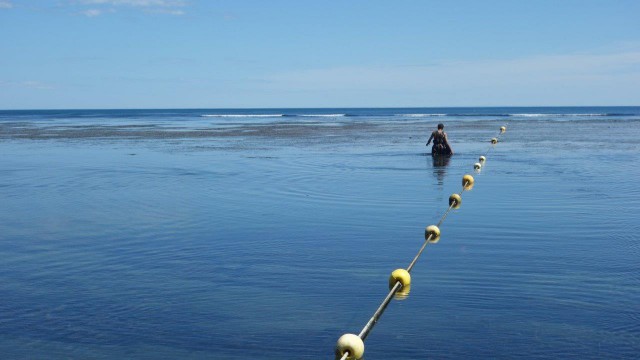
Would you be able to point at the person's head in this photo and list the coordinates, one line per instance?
(440, 126)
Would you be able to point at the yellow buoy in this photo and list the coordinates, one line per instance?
(477, 166)
(402, 276)
(454, 201)
(467, 182)
(432, 234)
(352, 344)
(503, 129)
(482, 159)
(494, 141)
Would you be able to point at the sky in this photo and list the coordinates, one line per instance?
(101, 54)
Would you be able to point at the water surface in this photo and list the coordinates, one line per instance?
(267, 234)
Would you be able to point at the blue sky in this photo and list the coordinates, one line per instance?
(238, 54)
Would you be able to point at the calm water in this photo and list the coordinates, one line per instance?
(267, 234)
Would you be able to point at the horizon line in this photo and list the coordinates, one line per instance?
(320, 108)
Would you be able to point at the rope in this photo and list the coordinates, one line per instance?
(491, 146)
(398, 284)
(374, 319)
(424, 245)
(446, 213)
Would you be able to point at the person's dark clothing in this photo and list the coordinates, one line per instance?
(439, 144)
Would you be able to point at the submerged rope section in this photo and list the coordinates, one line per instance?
(351, 346)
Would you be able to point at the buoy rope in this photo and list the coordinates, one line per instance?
(444, 216)
(353, 347)
(374, 319)
(492, 143)
(415, 259)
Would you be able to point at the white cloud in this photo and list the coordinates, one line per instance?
(539, 79)
(98, 7)
(27, 84)
(36, 85)
(92, 12)
(452, 74)
(167, 11)
(6, 5)
(137, 3)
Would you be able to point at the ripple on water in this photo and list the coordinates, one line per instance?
(198, 247)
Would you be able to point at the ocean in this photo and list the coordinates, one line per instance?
(269, 233)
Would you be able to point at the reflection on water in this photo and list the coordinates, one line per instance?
(403, 293)
(440, 163)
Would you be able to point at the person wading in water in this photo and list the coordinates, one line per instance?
(440, 142)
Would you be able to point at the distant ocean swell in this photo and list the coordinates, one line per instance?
(271, 115)
(417, 115)
(242, 115)
(510, 115)
(94, 116)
